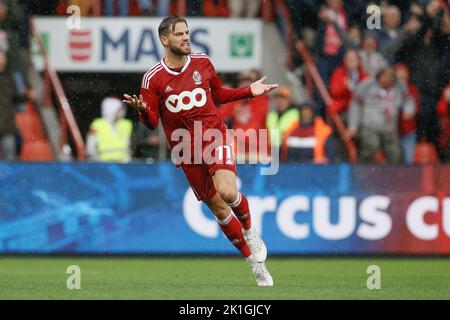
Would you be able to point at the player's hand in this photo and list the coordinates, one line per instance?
(259, 88)
(135, 102)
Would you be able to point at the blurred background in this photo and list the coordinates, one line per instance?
(363, 93)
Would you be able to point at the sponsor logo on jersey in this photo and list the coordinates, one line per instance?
(168, 89)
(197, 77)
(186, 100)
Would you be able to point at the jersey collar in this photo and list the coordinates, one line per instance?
(188, 60)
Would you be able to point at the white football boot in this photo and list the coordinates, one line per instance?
(262, 275)
(255, 244)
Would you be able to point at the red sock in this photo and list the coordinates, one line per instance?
(242, 211)
(232, 228)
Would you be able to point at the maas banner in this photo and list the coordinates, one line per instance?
(132, 44)
(304, 209)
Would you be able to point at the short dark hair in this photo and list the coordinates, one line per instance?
(383, 71)
(168, 24)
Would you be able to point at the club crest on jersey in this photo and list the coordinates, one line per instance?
(197, 77)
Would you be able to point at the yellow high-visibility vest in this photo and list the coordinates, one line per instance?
(113, 143)
(275, 122)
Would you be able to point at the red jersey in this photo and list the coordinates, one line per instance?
(181, 97)
(339, 90)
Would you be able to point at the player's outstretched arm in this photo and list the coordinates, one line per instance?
(222, 95)
(259, 88)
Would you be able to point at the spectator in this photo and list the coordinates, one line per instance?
(146, 143)
(305, 140)
(12, 18)
(162, 7)
(194, 8)
(244, 9)
(303, 14)
(7, 114)
(108, 7)
(87, 7)
(344, 81)
(247, 114)
(215, 8)
(426, 52)
(405, 6)
(109, 136)
(392, 44)
(283, 115)
(356, 12)
(443, 109)
(391, 31)
(43, 7)
(408, 136)
(351, 38)
(373, 114)
(4, 44)
(372, 60)
(329, 44)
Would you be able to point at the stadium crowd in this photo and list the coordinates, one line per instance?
(389, 85)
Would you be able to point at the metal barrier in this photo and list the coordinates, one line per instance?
(67, 120)
(317, 79)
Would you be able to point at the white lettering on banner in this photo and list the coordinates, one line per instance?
(322, 218)
(415, 218)
(196, 219)
(204, 224)
(286, 217)
(259, 206)
(446, 216)
(377, 222)
(186, 100)
(375, 225)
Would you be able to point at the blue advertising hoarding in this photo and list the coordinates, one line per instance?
(95, 208)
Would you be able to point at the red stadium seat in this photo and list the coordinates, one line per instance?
(425, 153)
(36, 151)
(379, 157)
(35, 145)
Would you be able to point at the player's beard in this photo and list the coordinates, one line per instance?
(180, 51)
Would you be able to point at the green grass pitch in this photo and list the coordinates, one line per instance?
(222, 278)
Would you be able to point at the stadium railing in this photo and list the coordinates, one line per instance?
(278, 10)
(52, 82)
(313, 73)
